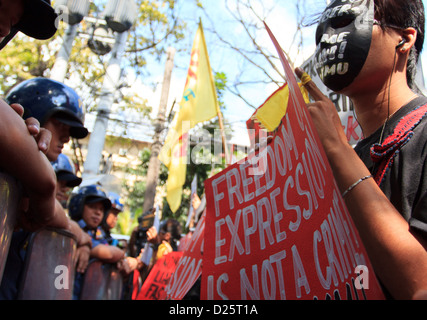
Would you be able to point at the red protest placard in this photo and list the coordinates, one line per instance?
(189, 267)
(156, 282)
(277, 226)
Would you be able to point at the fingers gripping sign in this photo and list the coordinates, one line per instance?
(311, 87)
(323, 113)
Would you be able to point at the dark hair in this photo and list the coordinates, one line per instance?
(174, 228)
(404, 14)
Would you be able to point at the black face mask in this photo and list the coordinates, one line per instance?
(343, 40)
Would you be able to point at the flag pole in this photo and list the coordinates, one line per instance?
(224, 138)
(218, 110)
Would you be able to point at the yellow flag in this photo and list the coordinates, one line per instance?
(199, 103)
(270, 114)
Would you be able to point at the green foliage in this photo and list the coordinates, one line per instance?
(23, 59)
(136, 190)
(126, 222)
(221, 85)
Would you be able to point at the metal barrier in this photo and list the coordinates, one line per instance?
(9, 199)
(102, 282)
(49, 266)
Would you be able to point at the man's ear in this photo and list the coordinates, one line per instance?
(409, 37)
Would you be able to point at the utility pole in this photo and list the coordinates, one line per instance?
(71, 12)
(154, 164)
(109, 87)
(60, 67)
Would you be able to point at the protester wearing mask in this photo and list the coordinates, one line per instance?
(368, 50)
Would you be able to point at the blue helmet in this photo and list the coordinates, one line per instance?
(43, 98)
(87, 194)
(65, 171)
(116, 201)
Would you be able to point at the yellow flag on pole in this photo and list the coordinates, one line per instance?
(199, 103)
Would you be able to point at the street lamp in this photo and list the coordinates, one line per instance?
(120, 14)
(72, 12)
(100, 41)
(75, 10)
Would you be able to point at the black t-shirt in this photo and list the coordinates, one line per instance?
(405, 181)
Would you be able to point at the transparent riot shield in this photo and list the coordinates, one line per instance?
(9, 199)
(102, 281)
(49, 266)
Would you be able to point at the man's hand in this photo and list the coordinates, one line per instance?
(42, 135)
(325, 116)
(196, 201)
(152, 235)
(127, 265)
(82, 258)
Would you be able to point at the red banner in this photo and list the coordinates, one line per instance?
(277, 226)
(189, 268)
(156, 282)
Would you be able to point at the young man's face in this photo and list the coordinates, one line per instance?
(93, 214)
(60, 136)
(10, 13)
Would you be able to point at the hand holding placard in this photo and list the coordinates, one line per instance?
(324, 115)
